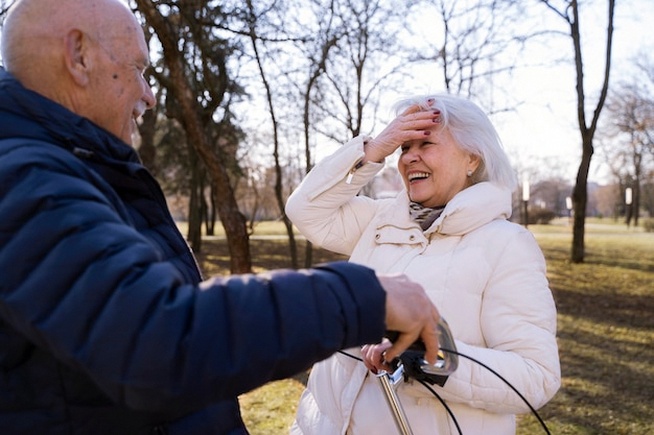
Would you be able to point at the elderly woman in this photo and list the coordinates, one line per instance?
(448, 230)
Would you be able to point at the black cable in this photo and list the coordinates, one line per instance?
(447, 408)
(350, 355)
(533, 411)
(440, 399)
(449, 411)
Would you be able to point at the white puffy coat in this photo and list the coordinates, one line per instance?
(485, 274)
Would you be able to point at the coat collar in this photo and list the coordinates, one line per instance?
(468, 210)
(30, 115)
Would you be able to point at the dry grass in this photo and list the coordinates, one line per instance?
(606, 332)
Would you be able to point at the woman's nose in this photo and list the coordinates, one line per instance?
(409, 156)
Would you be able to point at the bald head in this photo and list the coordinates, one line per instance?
(33, 28)
(87, 55)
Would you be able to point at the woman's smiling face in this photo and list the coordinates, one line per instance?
(435, 169)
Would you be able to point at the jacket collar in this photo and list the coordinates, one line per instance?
(468, 210)
(30, 115)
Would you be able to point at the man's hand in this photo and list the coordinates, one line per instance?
(410, 312)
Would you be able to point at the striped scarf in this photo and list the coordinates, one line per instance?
(424, 216)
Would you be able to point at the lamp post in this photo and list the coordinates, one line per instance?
(525, 200)
(628, 199)
(568, 205)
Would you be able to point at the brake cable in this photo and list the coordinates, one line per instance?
(533, 410)
(440, 399)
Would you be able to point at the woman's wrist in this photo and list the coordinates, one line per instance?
(371, 153)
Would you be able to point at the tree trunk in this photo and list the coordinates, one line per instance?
(279, 194)
(147, 151)
(191, 119)
(580, 192)
(211, 213)
(194, 230)
(580, 202)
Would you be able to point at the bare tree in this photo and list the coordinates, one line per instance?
(569, 11)
(630, 133)
(185, 27)
(480, 41)
(4, 7)
(323, 35)
(361, 63)
(255, 18)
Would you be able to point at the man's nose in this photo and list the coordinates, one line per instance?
(149, 98)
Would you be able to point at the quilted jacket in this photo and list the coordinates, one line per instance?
(485, 274)
(106, 326)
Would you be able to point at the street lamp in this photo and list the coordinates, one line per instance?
(628, 199)
(568, 205)
(525, 199)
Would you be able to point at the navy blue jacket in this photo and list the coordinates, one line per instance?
(106, 326)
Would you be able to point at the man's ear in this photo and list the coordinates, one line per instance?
(76, 56)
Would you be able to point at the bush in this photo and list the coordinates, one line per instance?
(648, 225)
(538, 215)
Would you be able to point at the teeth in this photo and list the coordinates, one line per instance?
(415, 175)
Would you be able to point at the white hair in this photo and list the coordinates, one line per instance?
(473, 132)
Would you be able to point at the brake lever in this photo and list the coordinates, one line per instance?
(412, 364)
(415, 365)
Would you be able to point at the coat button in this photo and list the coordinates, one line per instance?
(377, 236)
(412, 238)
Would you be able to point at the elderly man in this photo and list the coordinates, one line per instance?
(106, 326)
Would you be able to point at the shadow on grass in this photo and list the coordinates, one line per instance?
(266, 254)
(606, 333)
(607, 309)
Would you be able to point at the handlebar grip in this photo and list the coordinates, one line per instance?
(418, 367)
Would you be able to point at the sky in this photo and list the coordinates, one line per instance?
(548, 125)
(544, 130)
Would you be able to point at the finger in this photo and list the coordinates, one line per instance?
(429, 336)
(381, 358)
(418, 122)
(369, 365)
(402, 343)
(412, 109)
(372, 359)
(365, 357)
(378, 361)
(421, 117)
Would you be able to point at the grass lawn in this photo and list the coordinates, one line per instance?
(606, 332)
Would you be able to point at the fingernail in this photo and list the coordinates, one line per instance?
(437, 112)
(427, 132)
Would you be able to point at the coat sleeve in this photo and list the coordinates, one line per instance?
(79, 281)
(326, 208)
(518, 320)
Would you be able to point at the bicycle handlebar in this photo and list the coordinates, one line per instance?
(413, 359)
(412, 364)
